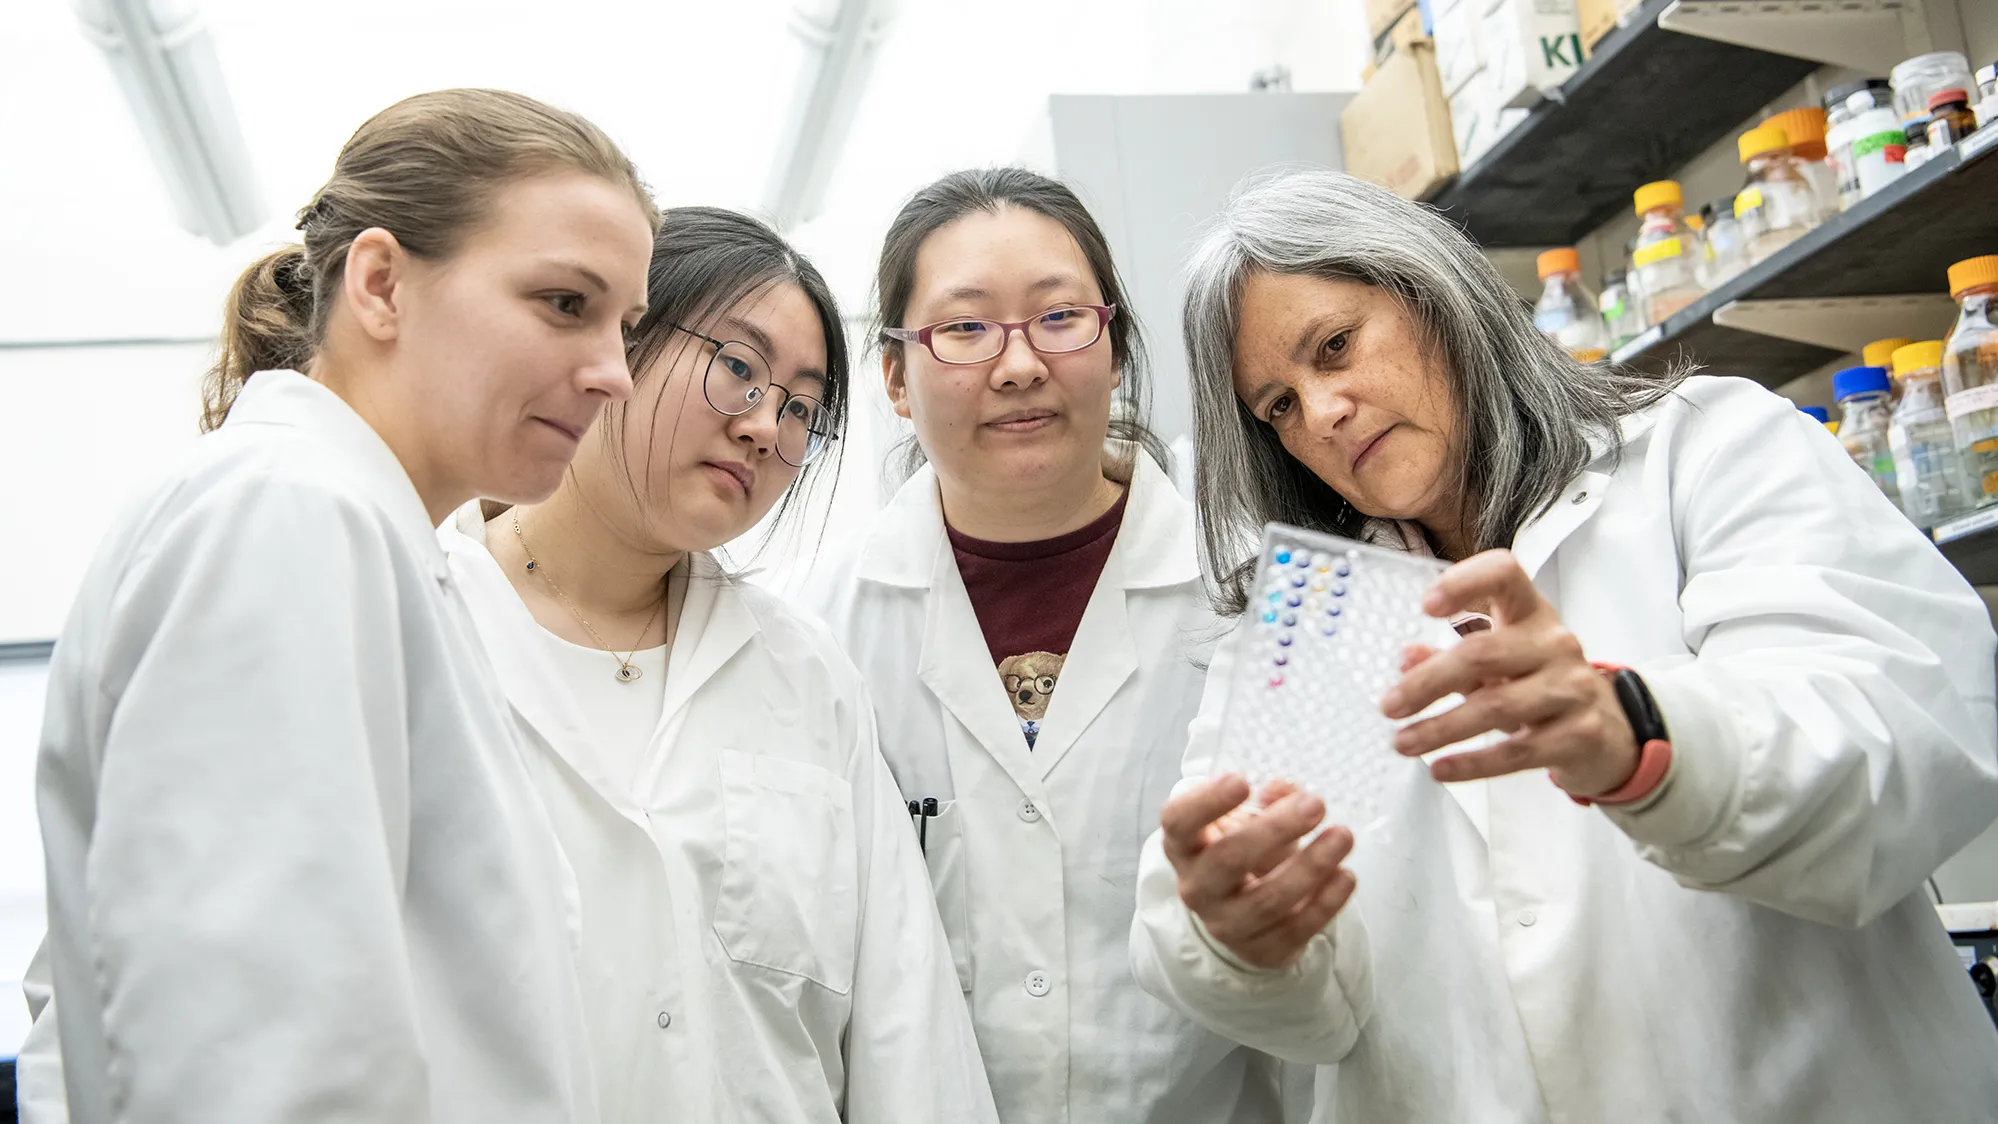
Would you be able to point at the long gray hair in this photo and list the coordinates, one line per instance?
(1525, 408)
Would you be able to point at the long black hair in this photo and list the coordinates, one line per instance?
(705, 261)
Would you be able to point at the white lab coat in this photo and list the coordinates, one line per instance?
(296, 869)
(1034, 857)
(760, 875)
(1754, 942)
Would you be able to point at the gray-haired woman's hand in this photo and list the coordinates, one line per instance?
(1242, 872)
(1527, 676)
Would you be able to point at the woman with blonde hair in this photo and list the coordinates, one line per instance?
(296, 867)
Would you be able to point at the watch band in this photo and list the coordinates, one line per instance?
(1654, 741)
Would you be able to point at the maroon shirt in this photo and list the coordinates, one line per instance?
(1029, 598)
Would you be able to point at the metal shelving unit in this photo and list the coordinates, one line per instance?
(1646, 101)
(1899, 242)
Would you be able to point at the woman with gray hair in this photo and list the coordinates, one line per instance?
(1765, 702)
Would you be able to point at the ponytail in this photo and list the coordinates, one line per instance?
(426, 170)
(266, 326)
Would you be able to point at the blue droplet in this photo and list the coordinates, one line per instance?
(1283, 557)
(1293, 600)
(1331, 630)
(1335, 610)
(1297, 582)
(1284, 640)
(1343, 568)
(1338, 589)
(1269, 616)
(1282, 659)
(1275, 597)
(1289, 619)
(1302, 562)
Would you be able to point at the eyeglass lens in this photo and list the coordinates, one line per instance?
(737, 381)
(974, 341)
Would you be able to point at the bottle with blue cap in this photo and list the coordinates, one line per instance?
(1816, 413)
(1928, 470)
(1865, 395)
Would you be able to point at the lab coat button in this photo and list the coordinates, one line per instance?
(665, 1019)
(1527, 918)
(1029, 812)
(1038, 984)
(1579, 497)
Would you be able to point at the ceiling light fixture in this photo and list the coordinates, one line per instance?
(841, 39)
(164, 59)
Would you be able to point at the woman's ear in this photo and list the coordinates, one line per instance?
(376, 268)
(893, 377)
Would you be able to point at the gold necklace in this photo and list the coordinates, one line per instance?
(625, 673)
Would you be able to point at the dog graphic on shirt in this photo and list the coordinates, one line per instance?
(1030, 679)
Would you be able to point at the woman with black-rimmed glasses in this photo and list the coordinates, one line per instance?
(756, 936)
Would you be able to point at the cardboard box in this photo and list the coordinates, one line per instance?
(1382, 14)
(1457, 52)
(1397, 128)
(1470, 109)
(1596, 18)
(1531, 47)
(1407, 31)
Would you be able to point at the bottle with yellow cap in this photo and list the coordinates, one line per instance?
(1666, 257)
(1566, 312)
(1970, 374)
(1880, 353)
(1779, 205)
(1927, 469)
(1806, 129)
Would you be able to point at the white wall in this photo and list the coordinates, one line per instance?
(21, 686)
(79, 429)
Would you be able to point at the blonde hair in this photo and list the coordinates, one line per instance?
(426, 170)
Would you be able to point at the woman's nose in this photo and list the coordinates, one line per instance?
(1018, 363)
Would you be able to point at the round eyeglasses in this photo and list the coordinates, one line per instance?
(738, 379)
(1055, 332)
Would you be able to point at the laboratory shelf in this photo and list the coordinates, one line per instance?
(1901, 240)
(1970, 542)
(1642, 105)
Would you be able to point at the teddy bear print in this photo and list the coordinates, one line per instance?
(1030, 679)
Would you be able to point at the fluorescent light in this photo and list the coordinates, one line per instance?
(841, 38)
(164, 60)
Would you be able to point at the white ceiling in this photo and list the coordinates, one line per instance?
(696, 91)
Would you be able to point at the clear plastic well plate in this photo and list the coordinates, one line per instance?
(1328, 620)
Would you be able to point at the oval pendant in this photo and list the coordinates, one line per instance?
(626, 673)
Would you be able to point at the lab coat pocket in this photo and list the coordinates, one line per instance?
(944, 849)
(789, 897)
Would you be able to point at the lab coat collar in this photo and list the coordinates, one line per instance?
(715, 623)
(1581, 498)
(1154, 547)
(1156, 538)
(287, 398)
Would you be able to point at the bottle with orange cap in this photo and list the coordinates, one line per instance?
(1927, 469)
(1566, 312)
(1970, 373)
(1806, 129)
(1666, 256)
(1779, 205)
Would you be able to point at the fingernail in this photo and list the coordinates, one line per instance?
(1432, 602)
(1312, 807)
(1403, 741)
(1391, 702)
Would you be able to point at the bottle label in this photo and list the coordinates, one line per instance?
(1893, 145)
(1656, 252)
(1966, 402)
(1747, 200)
(1589, 354)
